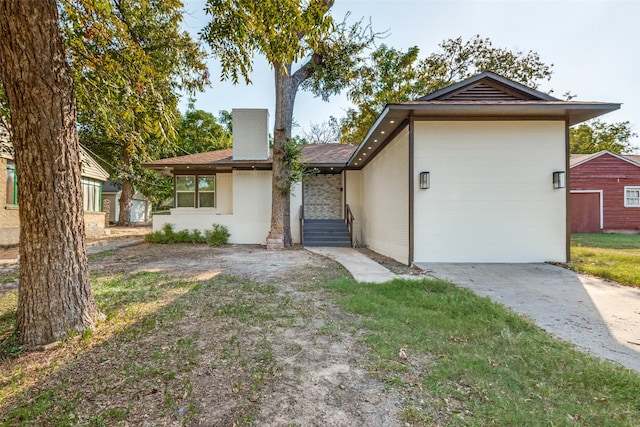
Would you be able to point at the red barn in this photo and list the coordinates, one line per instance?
(605, 193)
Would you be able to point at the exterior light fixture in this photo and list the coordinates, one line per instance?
(559, 180)
(392, 121)
(382, 132)
(425, 180)
(375, 140)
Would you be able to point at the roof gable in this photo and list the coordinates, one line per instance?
(89, 167)
(487, 86)
(579, 159)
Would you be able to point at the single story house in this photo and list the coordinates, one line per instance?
(93, 175)
(474, 172)
(605, 193)
(140, 209)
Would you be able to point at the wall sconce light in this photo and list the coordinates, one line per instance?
(559, 179)
(425, 181)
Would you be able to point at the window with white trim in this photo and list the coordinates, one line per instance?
(12, 185)
(207, 191)
(632, 197)
(91, 195)
(185, 191)
(190, 195)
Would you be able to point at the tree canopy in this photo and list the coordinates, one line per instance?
(130, 61)
(595, 136)
(200, 131)
(392, 75)
(290, 34)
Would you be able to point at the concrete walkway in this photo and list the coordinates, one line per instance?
(597, 316)
(361, 267)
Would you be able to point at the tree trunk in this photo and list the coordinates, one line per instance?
(54, 296)
(280, 233)
(126, 197)
(126, 202)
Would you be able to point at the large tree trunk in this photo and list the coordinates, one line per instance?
(54, 296)
(280, 233)
(126, 197)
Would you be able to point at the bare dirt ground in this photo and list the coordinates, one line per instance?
(271, 348)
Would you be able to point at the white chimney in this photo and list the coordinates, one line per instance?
(250, 133)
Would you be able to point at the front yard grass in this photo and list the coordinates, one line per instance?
(172, 350)
(141, 364)
(614, 257)
(460, 359)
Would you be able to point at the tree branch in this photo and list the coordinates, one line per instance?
(307, 70)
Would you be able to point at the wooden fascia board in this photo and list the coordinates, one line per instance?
(352, 166)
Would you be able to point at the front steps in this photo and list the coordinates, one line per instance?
(326, 232)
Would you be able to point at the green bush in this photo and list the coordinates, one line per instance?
(218, 236)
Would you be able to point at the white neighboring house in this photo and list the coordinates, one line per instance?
(140, 209)
(475, 172)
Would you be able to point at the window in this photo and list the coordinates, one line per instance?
(188, 195)
(91, 195)
(185, 191)
(632, 197)
(207, 192)
(12, 185)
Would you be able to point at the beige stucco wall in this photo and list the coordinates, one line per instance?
(247, 215)
(491, 197)
(353, 189)
(94, 223)
(9, 219)
(224, 193)
(385, 197)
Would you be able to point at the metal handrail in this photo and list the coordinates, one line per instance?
(349, 218)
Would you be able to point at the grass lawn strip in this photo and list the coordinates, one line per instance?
(614, 257)
(464, 360)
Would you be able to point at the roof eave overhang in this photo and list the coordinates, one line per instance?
(395, 116)
(169, 168)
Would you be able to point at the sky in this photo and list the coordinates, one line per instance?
(594, 47)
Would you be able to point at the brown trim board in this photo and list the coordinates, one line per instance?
(567, 175)
(411, 188)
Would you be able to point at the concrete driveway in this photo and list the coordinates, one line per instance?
(597, 316)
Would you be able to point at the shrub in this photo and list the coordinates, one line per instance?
(166, 235)
(218, 236)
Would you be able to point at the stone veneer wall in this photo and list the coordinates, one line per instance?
(323, 197)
